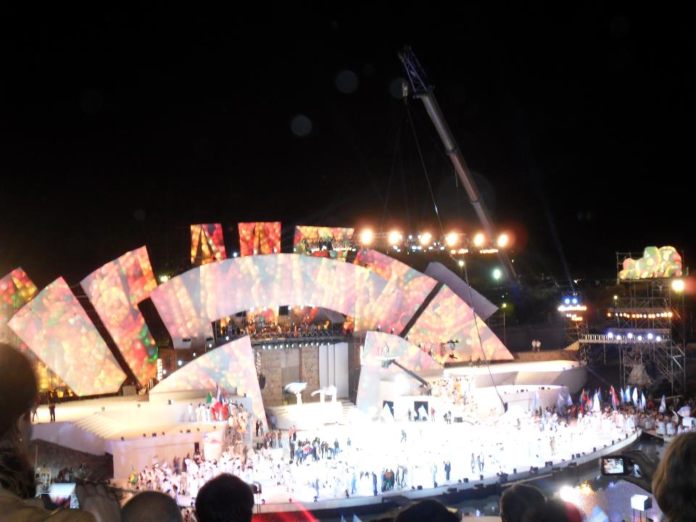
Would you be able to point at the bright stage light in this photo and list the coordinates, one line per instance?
(367, 236)
(479, 239)
(503, 240)
(497, 274)
(163, 278)
(569, 494)
(425, 238)
(461, 263)
(394, 237)
(452, 238)
(678, 285)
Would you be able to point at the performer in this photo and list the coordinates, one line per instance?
(52, 405)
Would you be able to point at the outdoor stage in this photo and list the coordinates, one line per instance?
(511, 443)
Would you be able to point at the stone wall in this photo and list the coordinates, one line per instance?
(309, 371)
(288, 365)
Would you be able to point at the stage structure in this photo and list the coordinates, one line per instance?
(16, 290)
(189, 303)
(207, 243)
(115, 290)
(403, 295)
(58, 331)
(231, 367)
(333, 242)
(645, 315)
(258, 238)
(391, 367)
(450, 331)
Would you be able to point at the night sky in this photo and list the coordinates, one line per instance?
(120, 128)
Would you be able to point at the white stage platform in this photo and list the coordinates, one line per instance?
(571, 374)
(132, 429)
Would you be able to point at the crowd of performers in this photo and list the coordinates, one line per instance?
(367, 459)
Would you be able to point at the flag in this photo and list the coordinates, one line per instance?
(614, 398)
(684, 411)
(599, 392)
(628, 393)
(634, 397)
(596, 407)
(643, 402)
(569, 401)
(663, 404)
(536, 403)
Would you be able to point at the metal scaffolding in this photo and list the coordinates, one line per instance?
(645, 316)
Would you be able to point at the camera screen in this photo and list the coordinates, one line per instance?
(63, 495)
(613, 466)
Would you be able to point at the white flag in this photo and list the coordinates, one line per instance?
(663, 405)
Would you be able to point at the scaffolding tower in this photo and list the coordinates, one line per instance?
(645, 316)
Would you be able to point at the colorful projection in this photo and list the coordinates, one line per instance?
(189, 303)
(406, 290)
(230, 366)
(380, 346)
(323, 241)
(16, 289)
(449, 330)
(655, 263)
(115, 290)
(259, 238)
(57, 329)
(207, 244)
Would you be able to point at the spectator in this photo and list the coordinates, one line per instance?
(517, 500)
(554, 510)
(430, 510)
(225, 498)
(151, 506)
(18, 392)
(674, 482)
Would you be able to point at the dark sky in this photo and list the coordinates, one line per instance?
(119, 128)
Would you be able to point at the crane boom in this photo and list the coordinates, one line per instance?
(422, 89)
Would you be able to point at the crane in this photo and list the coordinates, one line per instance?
(421, 88)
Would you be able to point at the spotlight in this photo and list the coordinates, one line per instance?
(367, 236)
(479, 239)
(451, 239)
(678, 285)
(425, 238)
(394, 238)
(503, 240)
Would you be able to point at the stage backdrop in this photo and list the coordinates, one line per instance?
(16, 290)
(448, 318)
(259, 238)
(230, 366)
(57, 329)
(406, 290)
(333, 242)
(207, 243)
(115, 290)
(189, 303)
